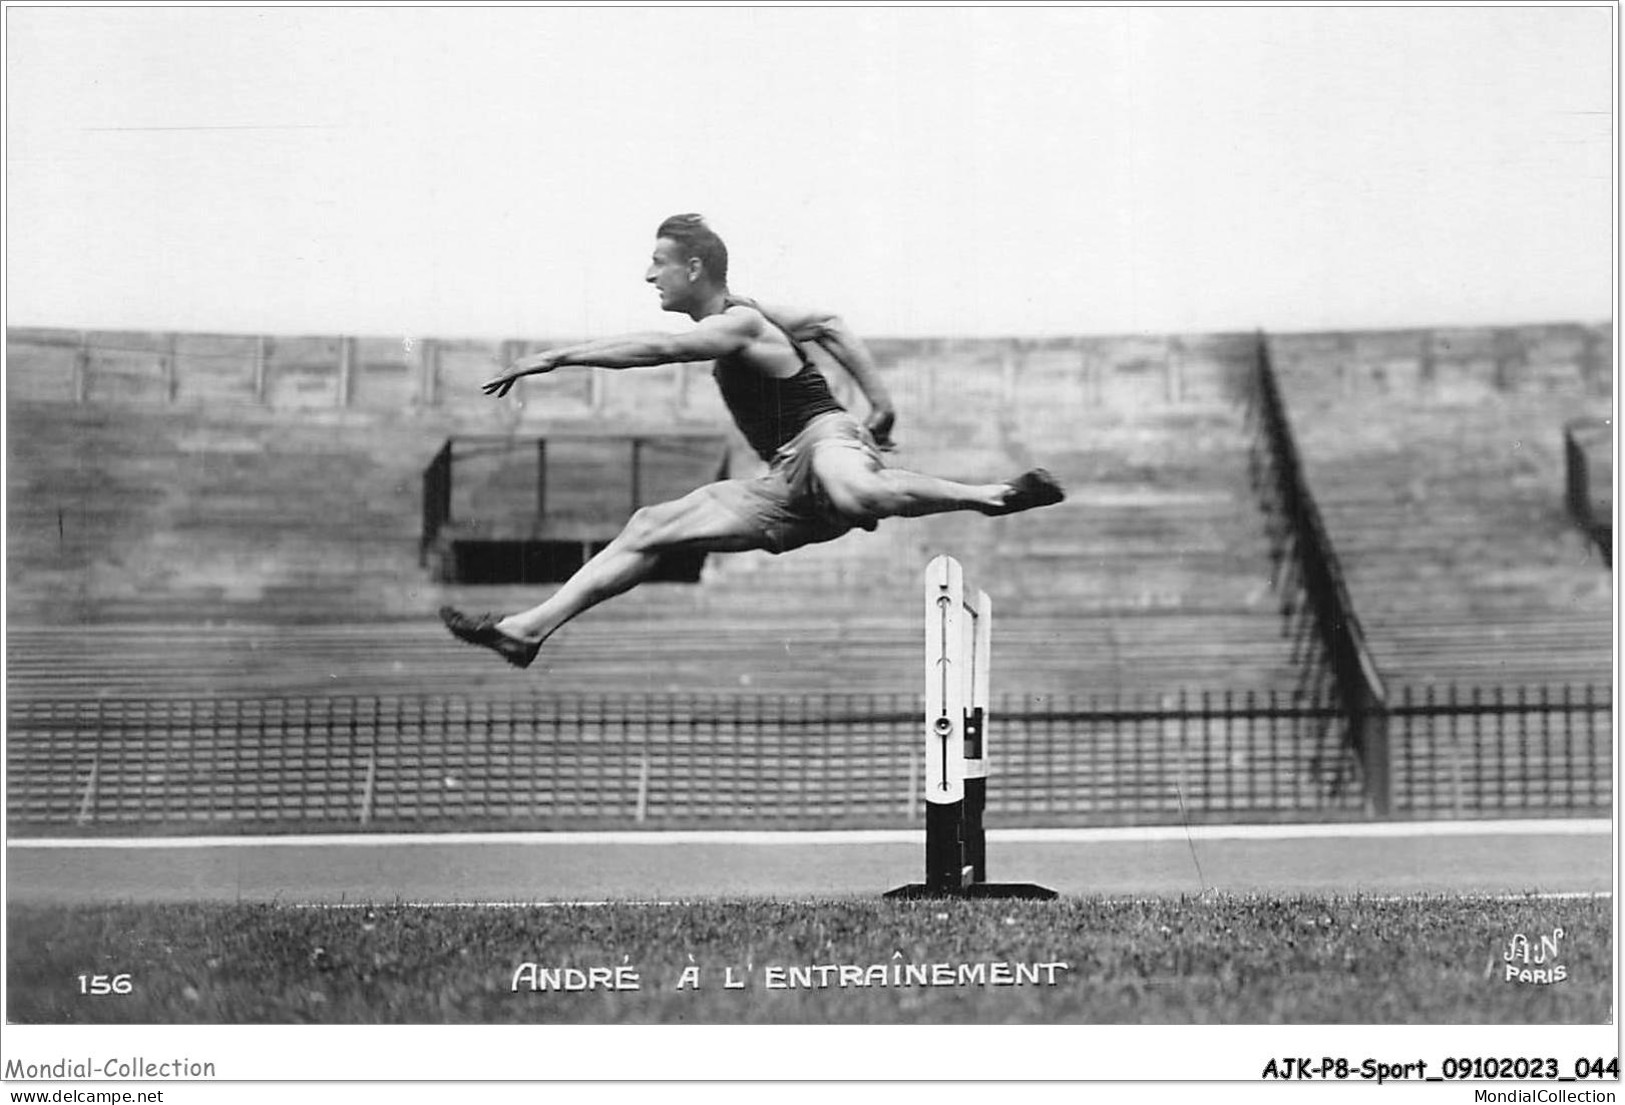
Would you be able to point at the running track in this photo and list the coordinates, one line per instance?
(1479, 857)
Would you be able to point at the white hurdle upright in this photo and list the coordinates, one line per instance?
(958, 682)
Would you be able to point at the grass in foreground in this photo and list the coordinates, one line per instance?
(1217, 960)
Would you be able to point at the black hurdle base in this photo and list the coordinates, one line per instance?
(956, 855)
(1025, 890)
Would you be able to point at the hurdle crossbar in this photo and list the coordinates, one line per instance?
(958, 682)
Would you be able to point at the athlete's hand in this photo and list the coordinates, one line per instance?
(879, 424)
(527, 366)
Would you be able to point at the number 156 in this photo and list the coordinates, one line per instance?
(101, 985)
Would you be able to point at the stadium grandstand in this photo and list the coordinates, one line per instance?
(1296, 577)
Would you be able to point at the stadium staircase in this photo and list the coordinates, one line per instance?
(1444, 496)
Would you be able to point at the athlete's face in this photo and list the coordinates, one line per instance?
(671, 274)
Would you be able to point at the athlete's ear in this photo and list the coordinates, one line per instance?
(695, 268)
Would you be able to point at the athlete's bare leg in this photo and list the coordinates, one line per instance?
(863, 492)
(851, 482)
(695, 522)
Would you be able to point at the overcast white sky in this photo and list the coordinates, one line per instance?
(500, 172)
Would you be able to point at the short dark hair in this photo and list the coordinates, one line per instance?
(690, 232)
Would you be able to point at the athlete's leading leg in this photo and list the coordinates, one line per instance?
(695, 522)
(698, 522)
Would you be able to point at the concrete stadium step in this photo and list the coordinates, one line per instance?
(816, 651)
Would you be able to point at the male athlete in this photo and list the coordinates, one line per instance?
(825, 475)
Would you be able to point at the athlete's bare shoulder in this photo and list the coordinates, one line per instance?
(769, 350)
(739, 318)
(743, 310)
(802, 323)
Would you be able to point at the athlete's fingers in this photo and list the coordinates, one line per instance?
(880, 424)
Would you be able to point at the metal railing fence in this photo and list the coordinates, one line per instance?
(665, 761)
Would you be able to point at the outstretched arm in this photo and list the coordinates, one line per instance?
(831, 333)
(713, 337)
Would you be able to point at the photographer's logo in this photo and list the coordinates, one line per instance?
(1525, 962)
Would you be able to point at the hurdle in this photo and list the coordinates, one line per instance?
(958, 681)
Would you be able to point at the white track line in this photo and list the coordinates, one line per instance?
(1210, 898)
(1113, 835)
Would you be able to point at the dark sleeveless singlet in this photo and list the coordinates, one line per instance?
(770, 411)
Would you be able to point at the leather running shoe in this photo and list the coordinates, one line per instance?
(1031, 489)
(483, 631)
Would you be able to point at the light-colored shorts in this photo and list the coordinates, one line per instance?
(787, 505)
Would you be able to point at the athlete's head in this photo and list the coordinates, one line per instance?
(688, 255)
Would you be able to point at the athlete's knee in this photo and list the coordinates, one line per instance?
(863, 500)
(649, 527)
